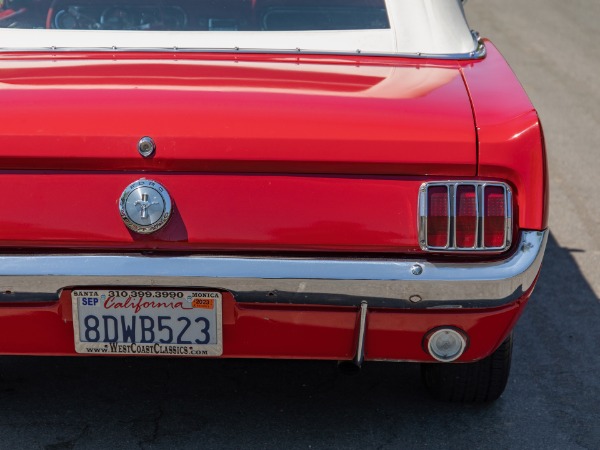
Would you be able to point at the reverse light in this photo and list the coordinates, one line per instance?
(446, 344)
(465, 216)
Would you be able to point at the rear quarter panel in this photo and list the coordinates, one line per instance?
(510, 138)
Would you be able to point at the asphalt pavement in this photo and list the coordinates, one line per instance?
(552, 399)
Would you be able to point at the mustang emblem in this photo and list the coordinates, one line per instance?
(145, 206)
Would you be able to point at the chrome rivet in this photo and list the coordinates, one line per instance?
(146, 146)
(415, 298)
(417, 269)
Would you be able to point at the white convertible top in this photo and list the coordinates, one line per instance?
(417, 27)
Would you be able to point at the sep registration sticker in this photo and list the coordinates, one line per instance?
(147, 322)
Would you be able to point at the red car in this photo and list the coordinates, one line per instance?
(345, 180)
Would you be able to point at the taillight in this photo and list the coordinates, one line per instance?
(438, 219)
(494, 213)
(466, 213)
(465, 216)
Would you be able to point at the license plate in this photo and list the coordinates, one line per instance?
(147, 322)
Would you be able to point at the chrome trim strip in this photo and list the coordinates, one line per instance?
(509, 216)
(479, 53)
(320, 281)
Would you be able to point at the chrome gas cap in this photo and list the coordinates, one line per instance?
(145, 206)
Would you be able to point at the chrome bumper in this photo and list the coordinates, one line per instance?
(324, 281)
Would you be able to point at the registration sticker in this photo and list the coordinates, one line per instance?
(147, 322)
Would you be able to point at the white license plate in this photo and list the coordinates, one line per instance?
(147, 322)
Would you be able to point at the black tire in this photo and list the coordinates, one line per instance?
(479, 382)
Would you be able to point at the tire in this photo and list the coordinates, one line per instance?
(479, 382)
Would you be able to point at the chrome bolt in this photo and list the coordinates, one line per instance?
(415, 298)
(417, 269)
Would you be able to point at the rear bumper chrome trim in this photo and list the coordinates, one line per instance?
(386, 283)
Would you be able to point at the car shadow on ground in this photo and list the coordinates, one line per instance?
(551, 399)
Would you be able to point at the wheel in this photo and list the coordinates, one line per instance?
(478, 382)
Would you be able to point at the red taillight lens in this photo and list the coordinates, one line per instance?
(437, 216)
(494, 220)
(466, 217)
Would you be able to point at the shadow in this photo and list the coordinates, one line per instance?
(551, 399)
(174, 231)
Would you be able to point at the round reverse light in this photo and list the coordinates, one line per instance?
(446, 344)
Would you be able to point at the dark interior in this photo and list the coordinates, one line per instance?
(195, 15)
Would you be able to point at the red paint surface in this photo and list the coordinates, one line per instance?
(510, 136)
(215, 212)
(284, 331)
(235, 116)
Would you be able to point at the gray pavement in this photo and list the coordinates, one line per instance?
(552, 400)
(553, 47)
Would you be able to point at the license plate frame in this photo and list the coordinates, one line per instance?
(148, 322)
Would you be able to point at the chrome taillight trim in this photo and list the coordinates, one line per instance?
(452, 187)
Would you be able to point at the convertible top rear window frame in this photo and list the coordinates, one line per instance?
(479, 52)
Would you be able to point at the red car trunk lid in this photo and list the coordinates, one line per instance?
(235, 116)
